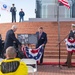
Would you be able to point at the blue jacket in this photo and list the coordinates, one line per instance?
(21, 13)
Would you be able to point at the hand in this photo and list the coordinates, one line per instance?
(43, 44)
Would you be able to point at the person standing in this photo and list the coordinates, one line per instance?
(21, 14)
(42, 40)
(70, 39)
(13, 12)
(10, 38)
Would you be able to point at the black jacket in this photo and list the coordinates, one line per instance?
(21, 13)
(13, 10)
(42, 40)
(10, 38)
(71, 35)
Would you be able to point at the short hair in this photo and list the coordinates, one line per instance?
(14, 27)
(21, 9)
(73, 25)
(11, 51)
(13, 4)
(40, 27)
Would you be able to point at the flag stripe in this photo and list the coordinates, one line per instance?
(30, 54)
(65, 2)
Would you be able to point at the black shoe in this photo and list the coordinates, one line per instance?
(69, 66)
(65, 64)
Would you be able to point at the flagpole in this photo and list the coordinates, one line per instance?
(58, 22)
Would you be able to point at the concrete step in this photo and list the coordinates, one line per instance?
(55, 52)
(55, 48)
(57, 56)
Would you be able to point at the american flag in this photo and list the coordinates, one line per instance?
(70, 45)
(65, 2)
(33, 53)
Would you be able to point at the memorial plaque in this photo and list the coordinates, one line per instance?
(27, 38)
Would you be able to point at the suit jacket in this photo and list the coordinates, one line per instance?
(71, 35)
(42, 39)
(10, 37)
(13, 10)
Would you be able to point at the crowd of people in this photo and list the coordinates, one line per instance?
(11, 38)
(41, 38)
(9, 52)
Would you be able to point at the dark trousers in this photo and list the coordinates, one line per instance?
(41, 60)
(1, 51)
(21, 19)
(69, 59)
(13, 18)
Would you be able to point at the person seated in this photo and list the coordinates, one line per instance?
(12, 65)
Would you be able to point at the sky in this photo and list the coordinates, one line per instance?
(28, 7)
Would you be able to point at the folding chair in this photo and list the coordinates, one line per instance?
(32, 63)
(30, 70)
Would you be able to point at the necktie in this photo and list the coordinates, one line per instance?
(39, 35)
